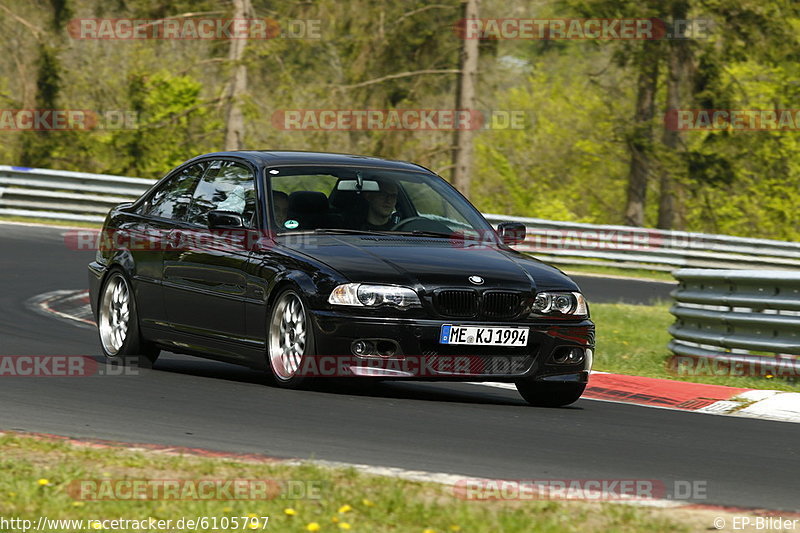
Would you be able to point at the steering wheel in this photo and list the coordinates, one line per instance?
(405, 221)
(421, 224)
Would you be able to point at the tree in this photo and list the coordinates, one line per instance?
(640, 139)
(237, 85)
(465, 99)
(37, 147)
(670, 198)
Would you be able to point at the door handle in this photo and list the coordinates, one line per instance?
(174, 237)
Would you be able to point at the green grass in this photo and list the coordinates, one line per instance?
(51, 222)
(632, 339)
(637, 273)
(37, 473)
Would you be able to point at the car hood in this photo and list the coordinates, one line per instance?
(430, 263)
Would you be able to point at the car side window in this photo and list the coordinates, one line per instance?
(172, 199)
(226, 186)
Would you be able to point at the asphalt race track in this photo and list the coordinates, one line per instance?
(455, 428)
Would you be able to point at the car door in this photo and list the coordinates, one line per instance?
(204, 274)
(145, 237)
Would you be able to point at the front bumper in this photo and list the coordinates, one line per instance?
(419, 354)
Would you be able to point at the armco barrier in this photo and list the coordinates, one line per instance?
(64, 195)
(79, 196)
(575, 243)
(738, 317)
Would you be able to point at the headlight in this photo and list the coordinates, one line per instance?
(363, 295)
(564, 303)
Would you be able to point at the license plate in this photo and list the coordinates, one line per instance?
(483, 335)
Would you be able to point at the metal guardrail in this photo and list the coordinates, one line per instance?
(79, 196)
(64, 195)
(576, 243)
(742, 317)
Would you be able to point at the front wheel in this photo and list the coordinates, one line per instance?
(550, 394)
(118, 323)
(289, 340)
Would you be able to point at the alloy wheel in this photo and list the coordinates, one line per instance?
(114, 314)
(287, 336)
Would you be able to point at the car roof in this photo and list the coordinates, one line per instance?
(285, 157)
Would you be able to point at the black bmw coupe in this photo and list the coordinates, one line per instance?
(314, 265)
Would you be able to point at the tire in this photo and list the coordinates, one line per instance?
(118, 323)
(290, 339)
(548, 394)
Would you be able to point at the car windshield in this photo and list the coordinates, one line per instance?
(354, 200)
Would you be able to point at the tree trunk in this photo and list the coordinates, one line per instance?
(671, 140)
(465, 100)
(669, 205)
(642, 138)
(234, 121)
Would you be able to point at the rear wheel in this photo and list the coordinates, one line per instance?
(550, 394)
(289, 339)
(118, 323)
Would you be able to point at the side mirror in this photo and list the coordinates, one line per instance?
(511, 232)
(225, 220)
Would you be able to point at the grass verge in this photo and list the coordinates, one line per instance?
(51, 222)
(636, 273)
(37, 474)
(632, 339)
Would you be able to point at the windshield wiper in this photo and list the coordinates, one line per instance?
(349, 231)
(427, 233)
(414, 233)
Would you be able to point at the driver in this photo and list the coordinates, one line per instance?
(380, 206)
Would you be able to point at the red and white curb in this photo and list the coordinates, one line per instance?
(73, 306)
(685, 396)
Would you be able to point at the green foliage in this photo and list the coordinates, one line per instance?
(569, 162)
(37, 147)
(172, 125)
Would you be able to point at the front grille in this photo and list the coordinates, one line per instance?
(501, 304)
(464, 303)
(457, 303)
